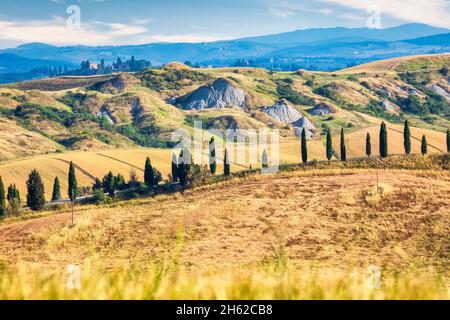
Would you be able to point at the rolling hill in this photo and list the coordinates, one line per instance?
(45, 123)
(302, 235)
(310, 231)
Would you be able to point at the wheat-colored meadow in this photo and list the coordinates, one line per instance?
(299, 235)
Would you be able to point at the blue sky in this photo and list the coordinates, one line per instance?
(105, 22)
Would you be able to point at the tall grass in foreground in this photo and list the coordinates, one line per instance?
(27, 282)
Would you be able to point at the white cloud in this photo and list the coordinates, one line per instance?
(433, 12)
(190, 38)
(52, 31)
(287, 8)
(55, 32)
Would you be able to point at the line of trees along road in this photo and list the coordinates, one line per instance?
(184, 172)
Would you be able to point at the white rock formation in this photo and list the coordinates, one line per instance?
(390, 107)
(285, 113)
(322, 109)
(440, 91)
(220, 94)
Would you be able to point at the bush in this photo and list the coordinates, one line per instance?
(286, 91)
(99, 197)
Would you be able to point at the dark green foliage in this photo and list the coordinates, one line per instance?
(143, 137)
(190, 174)
(264, 159)
(2, 198)
(13, 194)
(35, 191)
(374, 109)
(174, 168)
(365, 84)
(434, 103)
(327, 93)
(226, 164)
(149, 178)
(171, 78)
(99, 197)
(56, 194)
(120, 183)
(329, 144)
(109, 184)
(407, 138)
(98, 184)
(383, 141)
(352, 77)
(343, 148)
(309, 82)
(413, 105)
(424, 146)
(368, 145)
(212, 156)
(448, 140)
(285, 90)
(444, 71)
(13, 197)
(184, 166)
(304, 147)
(72, 191)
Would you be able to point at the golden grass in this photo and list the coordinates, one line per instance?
(296, 235)
(154, 282)
(95, 164)
(397, 64)
(98, 163)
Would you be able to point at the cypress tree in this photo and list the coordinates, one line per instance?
(304, 147)
(56, 194)
(226, 164)
(109, 184)
(343, 148)
(119, 182)
(72, 191)
(424, 145)
(383, 141)
(174, 168)
(17, 196)
(13, 194)
(184, 166)
(448, 140)
(13, 198)
(368, 145)
(35, 191)
(407, 138)
(264, 159)
(2, 198)
(212, 156)
(329, 145)
(149, 176)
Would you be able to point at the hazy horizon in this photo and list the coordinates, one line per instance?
(113, 22)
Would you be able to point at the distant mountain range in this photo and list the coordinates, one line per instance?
(325, 49)
(12, 63)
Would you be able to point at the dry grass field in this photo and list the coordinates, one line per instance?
(305, 234)
(93, 164)
(397, 64)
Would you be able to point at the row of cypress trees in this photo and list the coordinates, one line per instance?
(181, 168)
(36, 192)
(383, 146)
